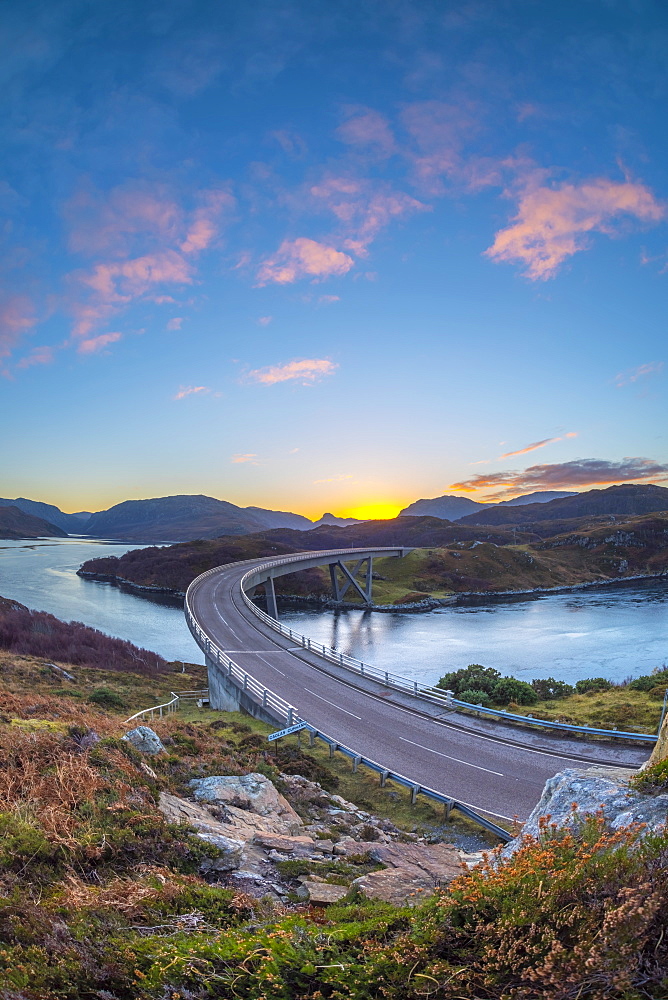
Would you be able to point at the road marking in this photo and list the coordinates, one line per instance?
(468, 763)
(338, 707)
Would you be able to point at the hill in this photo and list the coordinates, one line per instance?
(454, 508)
(69, 523)
(16, 524)
(180, 518)
(630, 499)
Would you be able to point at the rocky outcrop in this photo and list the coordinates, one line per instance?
(178, 810)
(413, 871)
(145, 739)
(248, 804)
(572, 795)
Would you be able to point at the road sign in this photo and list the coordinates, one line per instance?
(286, 732)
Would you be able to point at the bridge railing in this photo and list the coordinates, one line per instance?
(416, 688)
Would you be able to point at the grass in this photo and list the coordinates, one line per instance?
(619, 707)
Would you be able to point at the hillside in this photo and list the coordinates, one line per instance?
(625, 500)
(69, 523)
(15, 524)
(453, 508)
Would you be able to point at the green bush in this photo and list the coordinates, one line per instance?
(106, 698)
(648, 681)
(549, 689)
(592, 684)
(472, 678)
(510, 689)
(475, 697)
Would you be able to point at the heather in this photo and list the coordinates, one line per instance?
(37, 633)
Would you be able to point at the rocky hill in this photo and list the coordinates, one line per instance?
(45, 511)
(15, 524)
(453, 508)
(624, 500)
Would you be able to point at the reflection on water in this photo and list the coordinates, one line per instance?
(613, 632)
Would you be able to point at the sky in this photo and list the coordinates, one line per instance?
(331, 256)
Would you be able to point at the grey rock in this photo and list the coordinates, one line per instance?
(230, 853)
(590, 790)
(252, 804)
(145, 739)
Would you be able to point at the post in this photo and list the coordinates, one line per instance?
(270, 593)
(335, 582)
(384, 775)
(414, 793)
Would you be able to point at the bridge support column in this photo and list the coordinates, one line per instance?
(339, 592)
(272, 608)
(223, 694)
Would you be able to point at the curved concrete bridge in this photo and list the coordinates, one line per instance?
(277, 674)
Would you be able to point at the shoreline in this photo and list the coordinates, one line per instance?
(428, 604)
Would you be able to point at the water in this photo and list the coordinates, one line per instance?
(42, 575)
(613, 632)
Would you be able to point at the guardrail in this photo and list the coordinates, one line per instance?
(417, 688)
(283, 711)
(170, 706)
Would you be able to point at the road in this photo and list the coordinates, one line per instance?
(490, 767)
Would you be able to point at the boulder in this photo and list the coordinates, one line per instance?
(399, 886)
(590, 790)
(414, 870)
(322, 893)
(178, 810)
(250, 804)
(302, 846)
(145, 739)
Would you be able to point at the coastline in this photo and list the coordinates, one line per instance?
(428, 604)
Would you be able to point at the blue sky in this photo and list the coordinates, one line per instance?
(338, 256)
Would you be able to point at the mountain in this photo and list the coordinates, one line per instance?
(15, 523)
(182, 518)
(630, 499)
(449, 508)
(68, 522)
(340, 522)
(542, 496)
(452, 508)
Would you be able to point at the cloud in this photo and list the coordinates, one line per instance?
(264, 320)
(538, 444)
(94, 344)
(369, 130)
(438, 131)
(43, 355)
(303, 258)
(553, 223)
(307, 371)
(190, 390)
(584, 472)
(250, 458)
(17, 315)
(327, 300)
(291, 143)
(633, 374)
(204, 226)
(332, 479)
(175, 323)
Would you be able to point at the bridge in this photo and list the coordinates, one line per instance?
(258, 665)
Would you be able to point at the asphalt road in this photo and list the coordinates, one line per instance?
(493, 768)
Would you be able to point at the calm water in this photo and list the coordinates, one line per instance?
(610, 632)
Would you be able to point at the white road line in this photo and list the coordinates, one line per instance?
(338, 707)
(468, 763)
(271, 665)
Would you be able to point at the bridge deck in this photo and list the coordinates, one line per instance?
(480, 764)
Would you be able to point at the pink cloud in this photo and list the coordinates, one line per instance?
(94, 344)
(175, 323)
(303, 258)
(190, 390)
(38, 356)
(307, 371)
(633, 374)
(583, 472)
(368, 129)
(264, 320)
(327, 300)
(438, 132)
(249, 458)
(17, 315)
(538, 444)
(111, 223)
(553, 223)
(204, 225)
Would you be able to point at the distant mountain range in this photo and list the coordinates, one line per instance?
(15, 524)
(452, 508)
(184, 518)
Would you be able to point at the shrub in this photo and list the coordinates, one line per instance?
(648, 681)
(472, 678)
(106, 698)
(549, 689)
(475, 697)
(592, 685)
(510, 689)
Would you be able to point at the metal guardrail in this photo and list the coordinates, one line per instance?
(283, 711)
(417, 688)
(170, 706)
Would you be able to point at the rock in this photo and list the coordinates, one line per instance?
(396, 885)
(591, 789)
(322, 893)
(144, 739)
(301, 846)
(251, 804)
(324, 846)
(414, 870)
(178, 810)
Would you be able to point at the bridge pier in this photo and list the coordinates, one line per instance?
(339, 591)
(272, 607)
(225, 696)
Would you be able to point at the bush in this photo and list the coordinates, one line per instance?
(510, 689)
(549, 689)
(472, 678)
(106, 698)
(475, 697)
(648, 681)
(592, 684)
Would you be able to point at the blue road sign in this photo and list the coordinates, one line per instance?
(286, 732)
